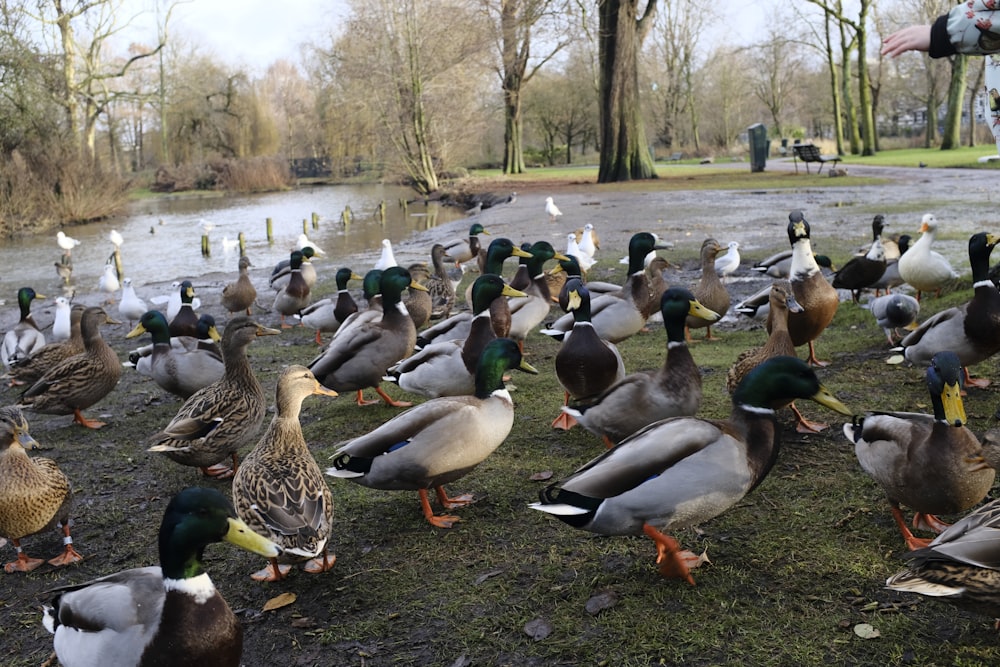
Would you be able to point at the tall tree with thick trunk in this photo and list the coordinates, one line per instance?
(624, 155)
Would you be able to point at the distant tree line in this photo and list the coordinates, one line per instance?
(419, 90)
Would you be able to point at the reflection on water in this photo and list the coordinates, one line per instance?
(163, 236)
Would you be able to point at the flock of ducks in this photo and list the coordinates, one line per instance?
(664, 467)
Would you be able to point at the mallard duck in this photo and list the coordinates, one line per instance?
(932, 464)
(586, 366)
(29, 370)
(812, 290)
(619, 315)
(326, 315)
(141, 358)
(179, 369)
(439, 441)
(779, 342)
(709, 291)
(239, 295)
(25, 338)
(551, 209)
(463, 250)
(418, 301)
(218, 419)
(358, 357)
(166, 615)
(62, 322)
(131, 307)
(559, 275)
(922, 268)
(972, 330)
(386, 258)
(862, 272)
(294, 296)
(370, 291)
(280, 491)
(643, 398)
(66, 243)
(173, 300)
(448, 368)
(80, 381)
(960, 566)
(684, 471)
(895, 311)
(185, 322)
(728, 263)
(891, 277)
(528, 313)
(282, 271)
(35, 495)
(439, 285)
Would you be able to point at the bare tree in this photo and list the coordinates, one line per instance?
(417, 57)
(624, 154)
(517, 27)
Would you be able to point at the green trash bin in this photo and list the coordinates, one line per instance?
(760, 146)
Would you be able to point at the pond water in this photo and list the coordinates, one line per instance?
(163, 236)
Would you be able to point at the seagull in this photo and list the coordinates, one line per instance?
(588, 244)
(116, 238)
(730, 261)
(229, 245)
(109, 281)
(206, 225)
(61, 327)
(573, 250)
(386, 259)
(551, 209)
(67, 243)
(304, 241)
(131, 307)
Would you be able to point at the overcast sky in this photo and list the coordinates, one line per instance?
(258, 32)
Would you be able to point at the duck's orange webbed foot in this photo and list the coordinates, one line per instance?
(24, 563)
(320, 563)
(803, 425)
(672, 561)
(456, 501)
(912, 543)
(812, 360)
(273, 572)
(78, 418)
(69, 554)
(390, 400)
(929, 522)
(443, 521)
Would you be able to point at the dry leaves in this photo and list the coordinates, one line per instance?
(279, 601)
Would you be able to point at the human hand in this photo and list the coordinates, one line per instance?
(911, 38)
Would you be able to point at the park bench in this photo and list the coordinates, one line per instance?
(810, 153)
(675, 157)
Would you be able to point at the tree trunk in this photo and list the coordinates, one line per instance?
(864, 83)
(951, 137)
(624, 155)
(513, 152)
(973, 91)
(835, 96)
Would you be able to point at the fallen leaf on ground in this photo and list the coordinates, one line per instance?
(603, 600)
(541, 476)
(866, 631)
(279, 601)
(538, 629)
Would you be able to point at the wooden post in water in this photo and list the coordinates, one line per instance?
(243, 244)
(403, 205)
(381, 213)
(315, 220)
(270, 230)
(305, 226)
(206, 251)
(118, 263)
